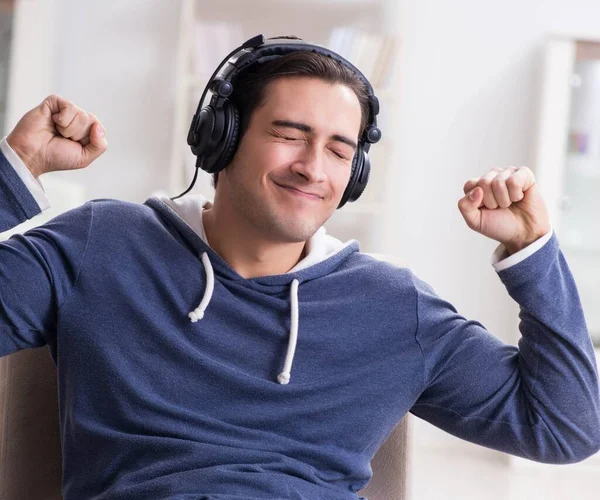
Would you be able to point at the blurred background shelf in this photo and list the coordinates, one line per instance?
(568, 160)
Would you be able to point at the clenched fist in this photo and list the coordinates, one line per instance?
(57, 135)
(505, 205)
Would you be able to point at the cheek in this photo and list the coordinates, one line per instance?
(339, 177)
(281, 153)
(339, 174)
(261, 159)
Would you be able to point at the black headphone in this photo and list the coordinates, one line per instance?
(214, 132)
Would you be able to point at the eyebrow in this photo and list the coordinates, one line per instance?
(307, 128)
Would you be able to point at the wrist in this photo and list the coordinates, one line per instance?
(517, 245)
(24, 157)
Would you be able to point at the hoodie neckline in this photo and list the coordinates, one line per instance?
(186, 217)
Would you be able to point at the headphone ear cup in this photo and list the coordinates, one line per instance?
(201, 131)
(359, 176)
(227, 145)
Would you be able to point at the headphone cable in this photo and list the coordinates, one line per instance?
(199, 108)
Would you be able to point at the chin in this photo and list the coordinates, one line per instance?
(295, 231)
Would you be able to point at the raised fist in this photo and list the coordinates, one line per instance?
(506, 205)
(57, 135)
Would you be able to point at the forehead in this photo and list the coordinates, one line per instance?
(328, 107)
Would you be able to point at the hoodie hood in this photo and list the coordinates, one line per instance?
(323, 254)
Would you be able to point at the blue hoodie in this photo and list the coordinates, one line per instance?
(178, 378)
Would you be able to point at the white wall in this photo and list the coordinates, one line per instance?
(468, 96)
(115, 59)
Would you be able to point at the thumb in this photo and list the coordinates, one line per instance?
(96, 146)
(469, 207)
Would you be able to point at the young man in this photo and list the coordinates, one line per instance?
(231, 349)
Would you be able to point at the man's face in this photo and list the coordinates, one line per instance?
(294, 161)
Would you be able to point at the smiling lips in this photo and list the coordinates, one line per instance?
(298, 192)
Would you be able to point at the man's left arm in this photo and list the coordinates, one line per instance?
(540, 400)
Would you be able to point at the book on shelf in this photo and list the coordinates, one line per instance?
(212, 41)
(372, 53)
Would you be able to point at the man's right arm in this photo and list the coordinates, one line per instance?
(39, 269)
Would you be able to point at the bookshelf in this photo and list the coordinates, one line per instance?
(568, 174)
(354, 28)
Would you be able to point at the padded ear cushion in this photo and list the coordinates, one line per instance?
(352, 180)
(359, 176)
(227, 146)
(363, 179)
(201, 130)
(231, 143)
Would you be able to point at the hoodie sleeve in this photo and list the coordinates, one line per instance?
(539, 400)
(39, 268)
(27, 192)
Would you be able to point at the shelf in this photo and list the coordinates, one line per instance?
(319, 4)
(283, 5)
(195, 82)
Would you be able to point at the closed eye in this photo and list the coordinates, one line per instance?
(338, 154)
(279, 135)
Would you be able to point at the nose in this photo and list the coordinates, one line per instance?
(310, 164)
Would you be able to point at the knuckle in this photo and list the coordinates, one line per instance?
(471, 182)
(529, 172)
(525, 170)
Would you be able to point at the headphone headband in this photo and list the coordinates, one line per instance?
(258, 50)
(213, 134)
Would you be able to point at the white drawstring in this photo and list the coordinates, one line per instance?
(284, 376)
(198, 313)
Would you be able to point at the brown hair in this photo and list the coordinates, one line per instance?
(249, 86)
